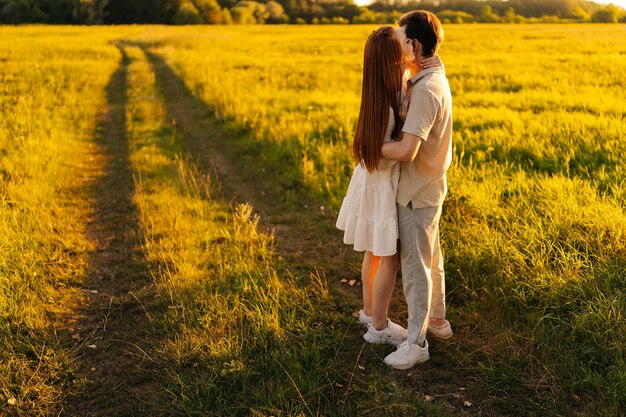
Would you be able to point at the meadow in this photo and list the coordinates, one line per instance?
(49, 97)
(534, 230)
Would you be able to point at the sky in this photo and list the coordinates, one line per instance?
(621, 3)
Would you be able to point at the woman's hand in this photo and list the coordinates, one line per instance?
(413, 67)
(431, 62)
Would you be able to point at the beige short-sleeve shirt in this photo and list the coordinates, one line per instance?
(429, 116)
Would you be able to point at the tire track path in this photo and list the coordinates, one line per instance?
(306, 236)
(106, 336)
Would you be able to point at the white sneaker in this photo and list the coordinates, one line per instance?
(393, 334)
(442, 331)
(364, 319)
(407, 355)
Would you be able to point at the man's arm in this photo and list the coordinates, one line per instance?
(404, 150)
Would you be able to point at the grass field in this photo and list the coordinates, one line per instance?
(50, 93)
(221, 318)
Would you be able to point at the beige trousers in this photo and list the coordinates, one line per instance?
(423, 277)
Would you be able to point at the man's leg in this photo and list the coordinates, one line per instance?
(438, 304)
(418, 231)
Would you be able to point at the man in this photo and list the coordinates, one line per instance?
(426, 152)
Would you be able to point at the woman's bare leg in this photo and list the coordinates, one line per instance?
(368, 273)
(384, 283)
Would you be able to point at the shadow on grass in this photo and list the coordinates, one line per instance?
(113, 365)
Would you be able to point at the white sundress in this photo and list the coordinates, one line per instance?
(368, 213)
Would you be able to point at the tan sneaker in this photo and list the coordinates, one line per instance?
(442, 331)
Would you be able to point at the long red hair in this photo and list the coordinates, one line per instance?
(382, 83)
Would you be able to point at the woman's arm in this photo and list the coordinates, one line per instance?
(433, 61)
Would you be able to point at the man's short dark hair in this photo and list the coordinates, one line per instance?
(425, 27)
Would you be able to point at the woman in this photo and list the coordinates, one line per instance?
(368, 212)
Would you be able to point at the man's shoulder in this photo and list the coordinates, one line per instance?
(434, 85)
(428, 88)
(433, 81)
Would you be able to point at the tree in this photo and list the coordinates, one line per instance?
(536, 8)
(369, 16)
(209, 10)
(188, 15)
(276, 12)
(19, 11)
(295, 8)
(608, 14)
(90, 12)
(249, 12)
(345, 11)
(141, 11)
(455, 16)
(581, 14)
(488, 16)
(227, 18)
(510, 16)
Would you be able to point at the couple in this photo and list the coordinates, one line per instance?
(403, 143)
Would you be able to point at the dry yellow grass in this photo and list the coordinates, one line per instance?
(534, 225)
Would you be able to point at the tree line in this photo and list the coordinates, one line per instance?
(300, 11)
